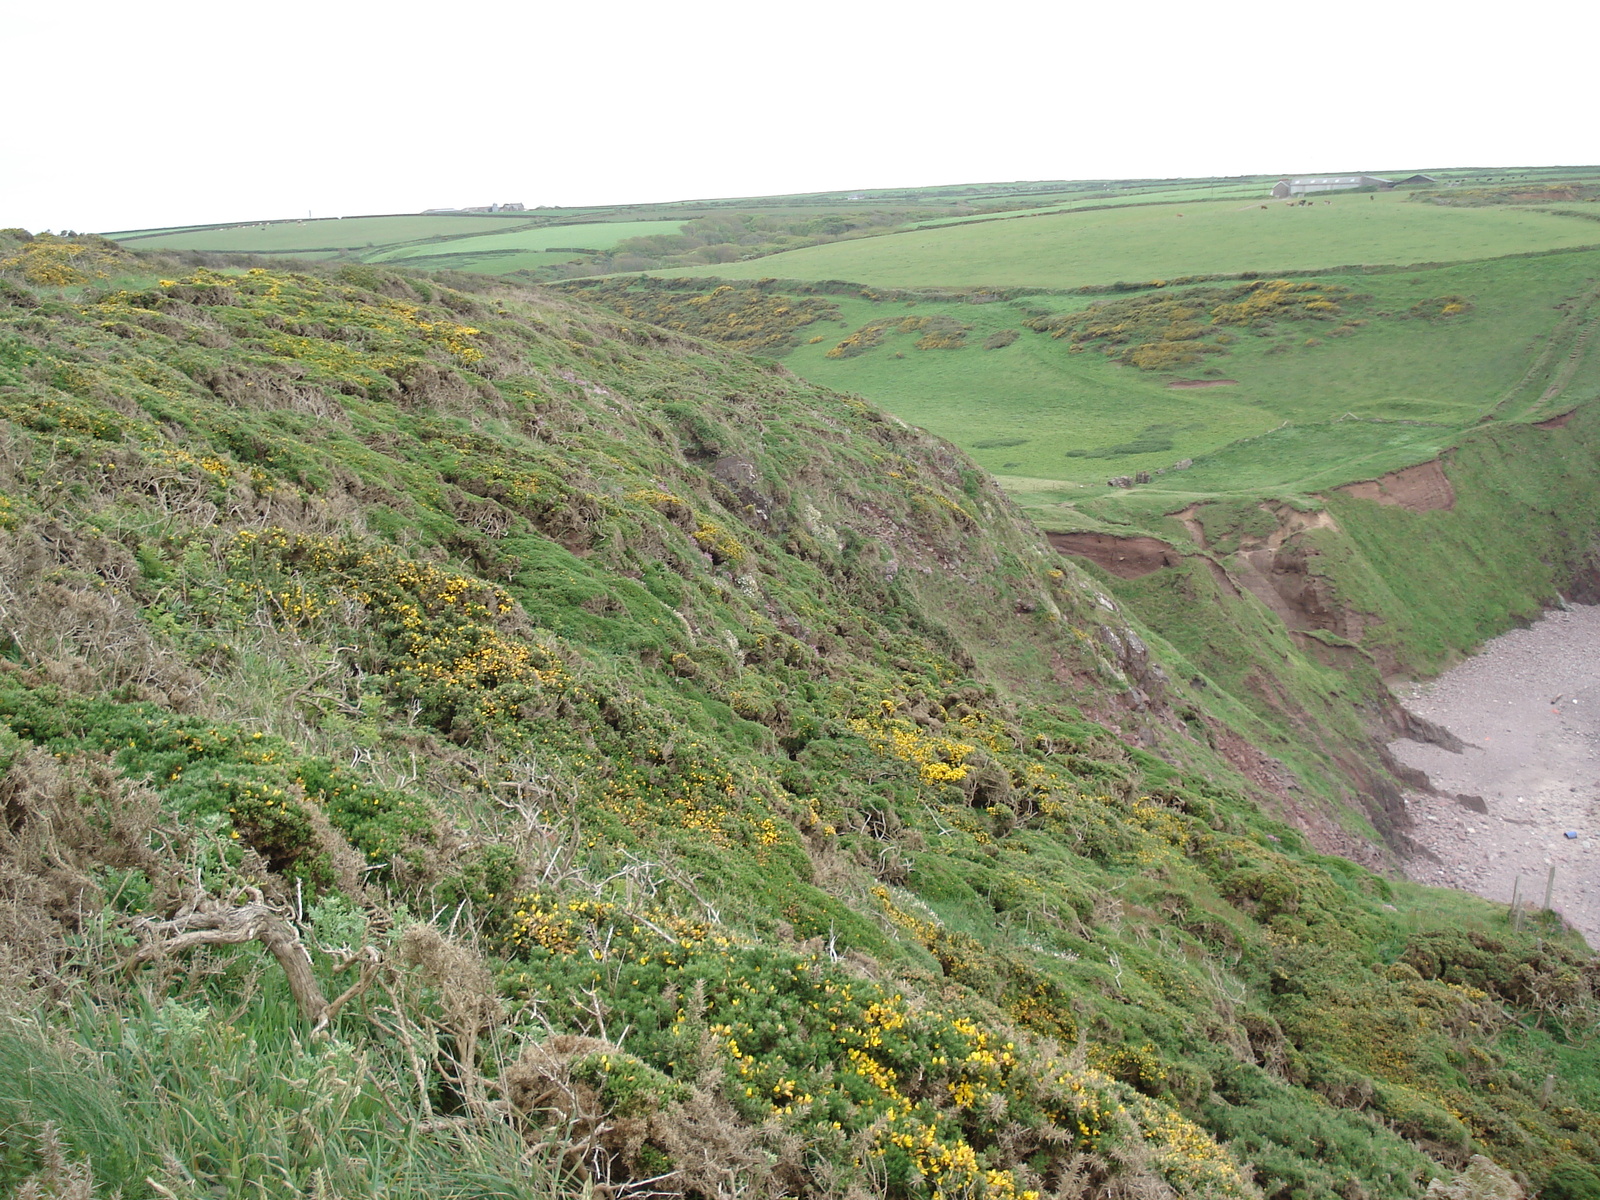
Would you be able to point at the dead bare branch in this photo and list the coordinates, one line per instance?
(207, 921)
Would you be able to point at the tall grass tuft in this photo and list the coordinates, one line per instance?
(178, 1100)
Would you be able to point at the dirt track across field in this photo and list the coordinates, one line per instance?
(1528, 708)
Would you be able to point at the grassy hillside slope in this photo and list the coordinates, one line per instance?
(460, 743)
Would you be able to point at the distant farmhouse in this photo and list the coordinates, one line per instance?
(1306, 185)
(482, 208)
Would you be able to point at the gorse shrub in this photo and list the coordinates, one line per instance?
(1169, 330)
(52, 261)
(937, 332)
(744, 317)
(1437, 308)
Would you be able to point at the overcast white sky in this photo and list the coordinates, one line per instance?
(169, 112)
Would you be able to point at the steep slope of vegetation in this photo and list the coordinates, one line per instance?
(460, 743)
(1254, 422)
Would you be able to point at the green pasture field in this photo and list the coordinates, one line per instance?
(596, 235)
(1239, 192)
(482, 244)
(1047, 421)
(1154, 242)
(501, 262)
(330, 233)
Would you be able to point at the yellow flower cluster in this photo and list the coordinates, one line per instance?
(720, 544)
(982, 728)
(700, 798)
(176, 456)
(441, 626)
(294, 602)
(59, 262)
(1270, 297)
(1189, 1158)
(567, 926)
(925, 932)
(453, 338)
(929, 500)
(552, 925)
(938, 759)
(1171, 832)
(950, 1163)
(51, 413)
(654, 497)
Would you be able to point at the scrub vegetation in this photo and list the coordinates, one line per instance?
(458, 741)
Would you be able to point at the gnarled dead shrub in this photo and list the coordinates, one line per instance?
(58, 822)
(627, 1125)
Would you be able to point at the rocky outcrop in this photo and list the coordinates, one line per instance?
(1147, 681)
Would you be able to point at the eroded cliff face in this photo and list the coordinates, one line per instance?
(1302, 612)
(1422, 488)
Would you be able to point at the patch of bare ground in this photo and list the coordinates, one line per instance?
(1527, 708)
(1290, 522)
(1276, 788)
(1124, 557)
(1422, 488)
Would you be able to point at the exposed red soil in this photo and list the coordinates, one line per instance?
(1198, 383)
(1124, 557)
(1422, 488)
(1290, 522)
(1278, 792)
(1250, 762)
(1555, 422)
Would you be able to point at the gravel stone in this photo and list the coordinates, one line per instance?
(1539, 775)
